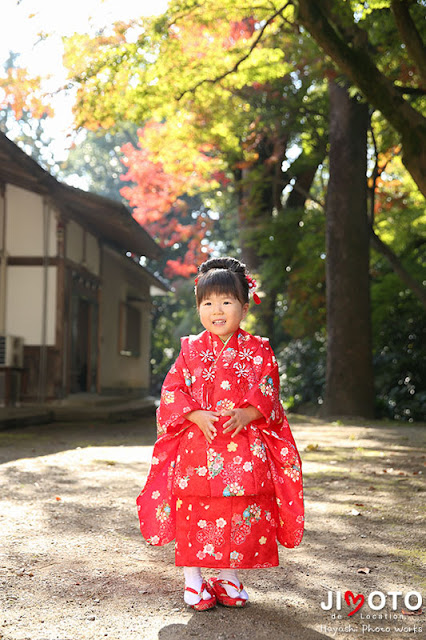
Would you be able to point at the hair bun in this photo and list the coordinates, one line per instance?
(223, 263)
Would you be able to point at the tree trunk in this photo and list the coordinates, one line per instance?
(349, 383)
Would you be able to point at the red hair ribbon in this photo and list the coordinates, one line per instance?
(252, 286)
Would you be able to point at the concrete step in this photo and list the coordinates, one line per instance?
(110, 413)
(42, 414)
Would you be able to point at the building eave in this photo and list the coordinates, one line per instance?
(111, 219)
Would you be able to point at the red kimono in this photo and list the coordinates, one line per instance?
(226, 503)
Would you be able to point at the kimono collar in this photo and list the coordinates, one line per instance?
(236, 341)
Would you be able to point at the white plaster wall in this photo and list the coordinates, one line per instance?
(92, 254)
(118, 371)
(24, 224)
(24, 304)
(1, 220)
(74, 242)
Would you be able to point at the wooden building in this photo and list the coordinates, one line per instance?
(75, 302)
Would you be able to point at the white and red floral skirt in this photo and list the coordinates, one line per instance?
(224, 532)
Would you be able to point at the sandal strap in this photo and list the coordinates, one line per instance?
(231, 584)
(200, 593)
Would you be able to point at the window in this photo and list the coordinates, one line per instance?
(129, 330)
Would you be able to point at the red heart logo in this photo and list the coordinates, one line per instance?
(348, 596)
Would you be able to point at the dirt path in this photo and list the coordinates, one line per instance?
(73, 565)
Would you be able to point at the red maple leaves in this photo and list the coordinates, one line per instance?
(157, 198)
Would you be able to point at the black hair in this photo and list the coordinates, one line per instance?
(222, 276)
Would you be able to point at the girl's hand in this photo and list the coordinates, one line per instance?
(205, 421)
(239, 419)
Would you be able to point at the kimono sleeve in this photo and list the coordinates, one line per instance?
(265, 393)
(176, 397)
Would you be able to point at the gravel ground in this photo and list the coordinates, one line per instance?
(73, 565)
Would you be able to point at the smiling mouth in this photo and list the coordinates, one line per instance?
(219, 321)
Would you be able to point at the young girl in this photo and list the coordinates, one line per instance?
(225, 477)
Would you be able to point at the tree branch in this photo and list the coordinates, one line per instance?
(184, 14)
(355, 62)
(240, 61)
(412, 91)
(418, 290)
(409, 34)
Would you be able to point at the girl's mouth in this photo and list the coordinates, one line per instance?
(219, 322)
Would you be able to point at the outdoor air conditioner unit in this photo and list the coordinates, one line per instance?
(11, 352)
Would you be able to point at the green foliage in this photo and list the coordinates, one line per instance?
(398, 318)
(302, 368)
(399, 351)
(96, 161)
(173, 316)
(306, 289)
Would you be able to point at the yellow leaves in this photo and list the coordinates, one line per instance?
(180, 154)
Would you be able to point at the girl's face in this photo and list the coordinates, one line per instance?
(222, 314)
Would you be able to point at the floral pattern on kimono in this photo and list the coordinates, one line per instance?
(260, 462)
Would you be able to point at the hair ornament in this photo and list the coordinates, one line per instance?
(252, 286)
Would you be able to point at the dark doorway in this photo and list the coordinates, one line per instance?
(84, 344)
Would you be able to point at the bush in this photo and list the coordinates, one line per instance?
(302, 373)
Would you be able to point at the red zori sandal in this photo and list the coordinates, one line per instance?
(222, 596)
(203, 605)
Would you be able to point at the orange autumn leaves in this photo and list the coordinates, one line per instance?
(21, 92)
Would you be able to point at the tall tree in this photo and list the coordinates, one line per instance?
(349, 385)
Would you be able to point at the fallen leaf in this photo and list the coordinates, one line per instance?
(58, 498)
(312, 447)
(416, 612)
(359, 504)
